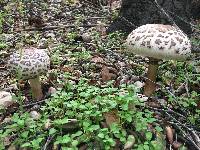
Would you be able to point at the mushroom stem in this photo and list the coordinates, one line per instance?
(36, 88)
(150, 84)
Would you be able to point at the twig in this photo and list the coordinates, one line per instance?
(56, 27)
(47, 142)
(35, 103)
(192, 25)
(164, 12)
(169, 111)
(189, 129)
(184, 134)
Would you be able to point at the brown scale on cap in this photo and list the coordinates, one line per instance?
(158, 41)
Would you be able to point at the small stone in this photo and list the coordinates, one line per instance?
(130, 142)
(12, 147)
(86, 37)
(142, 97)
(50, 35)
(35, 115)
(11, 87)
(7, 120)
(5, 99)
(43, 43)
(6, 140)
(139, 84)
(35, 107)
(51, 91)
(176, 145)
(47, 124)
(163, 102)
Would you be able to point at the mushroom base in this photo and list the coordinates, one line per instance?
(36, 88)
(150, 84)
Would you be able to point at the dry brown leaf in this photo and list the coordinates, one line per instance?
(169, 134)
(77, 73)
(115, 4)
(7, 140)
(176, 145)
(101, 28)
(6, 99)
(67, 69)
(112, 117)
(97, 59)
(106, 75)
(130, 142)
(12, 147)
(48, 124)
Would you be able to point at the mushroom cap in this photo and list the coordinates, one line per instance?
(29, 63)
(159, 41)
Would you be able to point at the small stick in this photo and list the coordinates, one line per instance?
(55, 27)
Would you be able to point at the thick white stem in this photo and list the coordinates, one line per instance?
(36, 88)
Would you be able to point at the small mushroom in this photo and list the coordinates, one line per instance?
(29, 64)
(158, 42)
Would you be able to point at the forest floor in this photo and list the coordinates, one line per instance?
(91, 85)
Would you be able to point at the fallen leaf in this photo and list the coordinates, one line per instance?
(111, 117)
(97, 59)
(106, 75)
(169, 134)
(67, 69)
(130, 142)
(35, 115)
(101, 28)
(5, 99)
(176, 145)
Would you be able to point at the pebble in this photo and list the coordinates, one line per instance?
(5, 99)
(139, 84)
(51, 91)
(35, 115)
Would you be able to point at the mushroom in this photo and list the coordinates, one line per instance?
(158, 42)
(29, 64)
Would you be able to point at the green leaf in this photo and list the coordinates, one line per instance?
(21, 123)
(66, 139)
(148, 136)
(27, 144)
(36, 142)
(151, 120)
(86, 124)
(61, 121)
(79, 133)
(52, 131)
(140, 147)
(101, 135)
(125, 106)
(146, 147)
(74, 143)
(158, 129)
(95, 127)
(24, 134)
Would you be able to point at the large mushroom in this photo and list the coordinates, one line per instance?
(158, 42)
(29, 64)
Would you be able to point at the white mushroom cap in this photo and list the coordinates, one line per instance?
(29, 63)
(159, 41)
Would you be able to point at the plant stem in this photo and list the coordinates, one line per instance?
(36, 88)
(150, 84)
